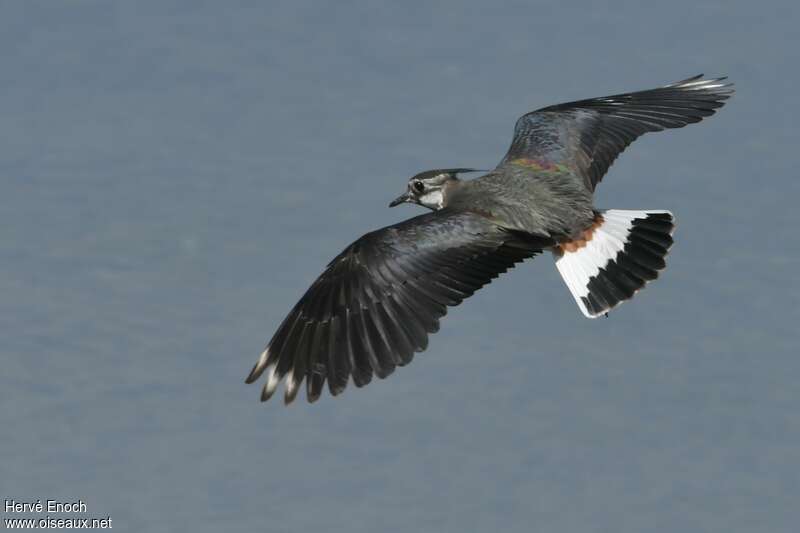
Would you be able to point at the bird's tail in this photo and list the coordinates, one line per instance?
(615, 257)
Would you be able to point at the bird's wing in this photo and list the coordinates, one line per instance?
(585, 137)
(377, 301)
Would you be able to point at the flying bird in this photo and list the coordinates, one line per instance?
(377, 302)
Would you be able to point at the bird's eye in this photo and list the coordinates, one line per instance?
(419, 186)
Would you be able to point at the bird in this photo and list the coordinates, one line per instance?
(377, 302)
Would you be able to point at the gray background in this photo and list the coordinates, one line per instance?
(174, 175)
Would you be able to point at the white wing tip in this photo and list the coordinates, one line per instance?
(698, 83)
(258, 368)
(292, 386)
(273, 379)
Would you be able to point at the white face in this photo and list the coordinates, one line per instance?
(432, 198)
(429, 192)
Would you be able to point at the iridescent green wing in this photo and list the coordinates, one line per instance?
(586, 136)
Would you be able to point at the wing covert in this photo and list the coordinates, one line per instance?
(586, 136)
(376, 302)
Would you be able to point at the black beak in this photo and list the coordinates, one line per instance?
(405, 197)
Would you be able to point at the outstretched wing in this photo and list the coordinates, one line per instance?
(587, 136)
(378, 300)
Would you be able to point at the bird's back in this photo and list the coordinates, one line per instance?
(541, 201)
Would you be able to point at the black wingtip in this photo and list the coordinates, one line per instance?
(313, 397)
(290, 394)
(252, 376)
(686, 80)
(266, 394)
(259, 367)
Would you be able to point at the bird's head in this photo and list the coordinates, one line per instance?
(430, 188)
